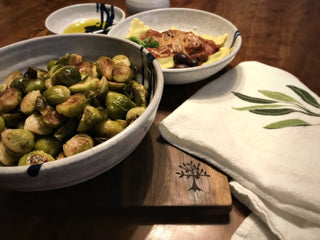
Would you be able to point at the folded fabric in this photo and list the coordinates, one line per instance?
(261, 126)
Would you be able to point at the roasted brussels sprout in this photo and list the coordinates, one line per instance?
(91, 117)
(17, 141)
(12, 77)
(87, 69)
(108, 128)
(6, 158)
(89, 87)
(28, 103)
(56, 94)
(2, 124)
(35, 157)
(67, 130)
(35, 124)
(75, 59)
(121, 72)
(34, 84)
(104, 67)
(134, 113)
(118, 105)
(48, 144)
(67, 75)
(140, 93)
(13, 119)
(77, 144)
(121, 59)
(73, 106)
(49, 114)
(9, 99)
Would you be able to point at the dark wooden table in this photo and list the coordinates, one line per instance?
(283, 34)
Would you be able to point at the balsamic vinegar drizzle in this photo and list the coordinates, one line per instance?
(104, 25)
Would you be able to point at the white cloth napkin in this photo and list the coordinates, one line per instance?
(238, 124)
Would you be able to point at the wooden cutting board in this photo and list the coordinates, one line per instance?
(156, 179)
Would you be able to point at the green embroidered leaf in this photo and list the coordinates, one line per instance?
(273, 112)
(305, 96)
(287, 123)
(252, 99)
(278, 96)
(254, 107)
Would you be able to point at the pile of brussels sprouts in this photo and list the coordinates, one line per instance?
(71, 107)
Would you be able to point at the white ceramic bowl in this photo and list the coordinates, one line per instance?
(185, 19)
(59, 20)
(88, 164)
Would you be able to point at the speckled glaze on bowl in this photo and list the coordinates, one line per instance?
(185, 19)
(88, 164)
(59, 20)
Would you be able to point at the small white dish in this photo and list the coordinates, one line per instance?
(59, 20)
(186, 19)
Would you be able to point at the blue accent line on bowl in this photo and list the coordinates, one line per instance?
(34, 170)
(235, 36)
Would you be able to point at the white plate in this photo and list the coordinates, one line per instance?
(59, 20)
(185, 19)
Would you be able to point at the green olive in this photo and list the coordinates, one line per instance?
(56, 94)
(35, 157)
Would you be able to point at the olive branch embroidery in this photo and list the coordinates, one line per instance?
(194, 171)
(281, 104)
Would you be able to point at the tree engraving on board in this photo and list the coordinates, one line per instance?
(193, 171)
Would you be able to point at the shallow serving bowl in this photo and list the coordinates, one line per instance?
(185, 19)
(59, 20)
(88, 164)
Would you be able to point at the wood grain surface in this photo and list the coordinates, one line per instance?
(283, 34)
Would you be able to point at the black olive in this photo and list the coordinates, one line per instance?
(181, 65)
(180, 58)
(193, 62)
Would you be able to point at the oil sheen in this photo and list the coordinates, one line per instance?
(79, 26)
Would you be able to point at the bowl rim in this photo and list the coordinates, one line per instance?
(153, 104)
(229, 57)
(53, 14)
